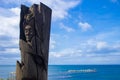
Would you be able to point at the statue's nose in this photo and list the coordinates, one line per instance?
(27, 32)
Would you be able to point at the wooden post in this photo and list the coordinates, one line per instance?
(34, 42)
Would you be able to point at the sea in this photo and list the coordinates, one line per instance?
(73, 72)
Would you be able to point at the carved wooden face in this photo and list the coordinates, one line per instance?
(28, 33)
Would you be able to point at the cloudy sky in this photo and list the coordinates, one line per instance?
(82, 31)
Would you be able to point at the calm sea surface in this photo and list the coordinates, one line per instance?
(74, 72)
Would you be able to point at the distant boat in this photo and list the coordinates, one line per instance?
(82, 71)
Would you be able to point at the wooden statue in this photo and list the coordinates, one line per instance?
(34, 42)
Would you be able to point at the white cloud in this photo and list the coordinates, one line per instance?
(10, 51)
(9, 43)
(8, 61)
(84, 26)
(12, 1)
(16, 11)
(101, 45)
(68, 29)
(10, 25)
(54, 54)
(68, 52)
(92, 52)
(52, 43)
(9, 34)
(97, 49)
(114, 1)
(59, 7)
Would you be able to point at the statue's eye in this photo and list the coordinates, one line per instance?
(31, 33)
(26, 31)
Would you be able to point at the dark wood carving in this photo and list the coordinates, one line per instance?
(34, 42)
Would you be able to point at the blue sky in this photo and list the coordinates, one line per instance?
(82, 31)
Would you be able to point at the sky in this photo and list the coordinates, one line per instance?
(82, 31)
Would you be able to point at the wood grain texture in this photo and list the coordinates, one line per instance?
(34, 42)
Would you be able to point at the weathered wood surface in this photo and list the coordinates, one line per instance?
(34, 42)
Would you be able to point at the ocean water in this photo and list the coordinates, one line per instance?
(74, 72)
